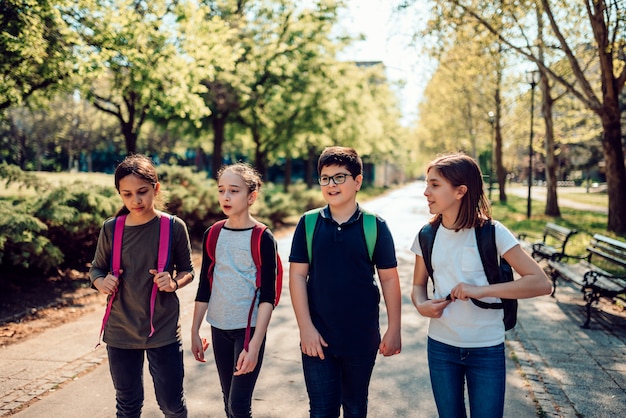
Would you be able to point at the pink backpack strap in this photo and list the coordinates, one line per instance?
(116, 257)
(165, 238)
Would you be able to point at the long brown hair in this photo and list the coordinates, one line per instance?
(460, 169)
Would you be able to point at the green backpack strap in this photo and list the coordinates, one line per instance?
(310, 220)
(370, 230)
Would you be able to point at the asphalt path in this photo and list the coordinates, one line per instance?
(400, 385)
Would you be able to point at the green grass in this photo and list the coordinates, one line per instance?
(513, 215)
(599, 199)
(56, 179)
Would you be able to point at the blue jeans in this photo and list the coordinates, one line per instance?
(166, 368)
(237, 390)
(338, 381)
(485, 371)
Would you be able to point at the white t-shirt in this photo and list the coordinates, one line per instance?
(455, 259)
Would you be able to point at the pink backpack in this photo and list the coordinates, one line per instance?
(116, 257)
(255, 246)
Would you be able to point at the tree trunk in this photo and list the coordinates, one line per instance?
(500, 171)
(310, 167)
(552, 203)
(259, 155)
(615, 170)
(130, 137)
(288, 168)
(219, 124)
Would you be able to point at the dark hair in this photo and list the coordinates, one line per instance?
(460, 169)
(250, 176)
(140, 166)
(342, 156)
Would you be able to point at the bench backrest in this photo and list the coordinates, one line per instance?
(609, 249)
(560, 233)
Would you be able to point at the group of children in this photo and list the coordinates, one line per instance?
(335, 254)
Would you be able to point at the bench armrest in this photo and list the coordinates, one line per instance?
(592, 276)
(562, 257)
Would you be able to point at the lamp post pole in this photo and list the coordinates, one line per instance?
(533, 80)
(492, 120)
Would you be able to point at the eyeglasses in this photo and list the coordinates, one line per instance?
(337, 179)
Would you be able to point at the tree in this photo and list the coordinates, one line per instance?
(605, 36)
(35, 49)
(146, 59)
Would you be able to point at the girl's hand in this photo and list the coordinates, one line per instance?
(164, 281)
(247, 361)
(433, 308)
(107, 284)
(466, 291)
(198, 347)
(311, 343)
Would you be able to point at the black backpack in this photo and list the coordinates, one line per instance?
(496, 272)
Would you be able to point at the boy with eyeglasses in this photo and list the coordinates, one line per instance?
(335, 296)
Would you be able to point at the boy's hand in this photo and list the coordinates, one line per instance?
(433, 308)
(311, 343)
(391, 344)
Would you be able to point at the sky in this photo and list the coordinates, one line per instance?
(388, 38)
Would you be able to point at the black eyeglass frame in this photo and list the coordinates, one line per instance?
(339, 178)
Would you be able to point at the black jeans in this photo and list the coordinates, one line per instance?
(166, 367)
(338, 381)
(237, 390)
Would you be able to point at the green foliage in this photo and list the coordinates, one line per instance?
(23, 245)
(58, 227)
(191, 196)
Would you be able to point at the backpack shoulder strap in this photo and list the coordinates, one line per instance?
(255, 247)
(486, 241)
(116, 248)
(370, 230)
(310, 222)
(211, 243)
(165, 241)
(427, 240)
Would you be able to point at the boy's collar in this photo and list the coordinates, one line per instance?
(325, 212)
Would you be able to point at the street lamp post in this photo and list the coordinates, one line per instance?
(492, 121)
(533, 79)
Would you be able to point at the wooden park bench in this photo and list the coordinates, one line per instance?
(553, 243)
(599, 273)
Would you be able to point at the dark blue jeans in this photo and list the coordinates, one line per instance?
(237, 390)
(166, 367)
(338, 381)
(484, 369)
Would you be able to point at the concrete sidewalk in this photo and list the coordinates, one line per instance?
(564, 371)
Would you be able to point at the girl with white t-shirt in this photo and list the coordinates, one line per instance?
(466, 342)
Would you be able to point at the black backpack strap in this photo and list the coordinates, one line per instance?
(486, 241)
(427, 240)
